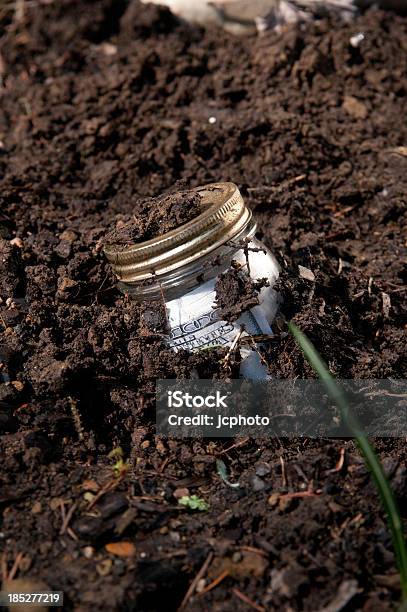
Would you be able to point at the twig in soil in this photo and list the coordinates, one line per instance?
(256, 551)
(72, 534)
(67, 519)
(225, 362)
(248, 601)
(236, 445)
(109, 486)
(339, 465)
(215, 582)
(300, 472)
(283, 472)
(256, 349)
(6, 575)
(300, 494)
(195, 581)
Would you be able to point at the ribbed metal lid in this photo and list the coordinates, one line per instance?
(224, 217)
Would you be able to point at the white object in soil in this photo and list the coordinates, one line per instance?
(246, 16)
(195, 323)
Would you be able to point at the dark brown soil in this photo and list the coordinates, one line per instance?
(103, 104)
(236, 292)
(155, 216)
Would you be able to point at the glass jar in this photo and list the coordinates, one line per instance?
(181, 267)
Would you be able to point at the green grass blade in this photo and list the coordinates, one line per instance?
(372, 461)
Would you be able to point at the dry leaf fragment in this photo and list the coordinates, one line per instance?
(121, 549)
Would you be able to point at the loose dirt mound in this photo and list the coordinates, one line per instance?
(102, 104)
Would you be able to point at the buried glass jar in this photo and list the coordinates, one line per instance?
(183, 265)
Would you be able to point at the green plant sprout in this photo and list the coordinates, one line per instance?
(371, 459)
(120, 467)
(193, 502)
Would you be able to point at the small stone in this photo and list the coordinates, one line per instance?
(175, 536)
(103, 568)
(112, 503)
(263, 469)
(63, 249)
(88, 552)
(273, 499)
(17, 242)
(306, 273)
(37, 507)
(355, 40)
(257, 483)
(108, 49)
(201, 584)
(68, 236)
(89, 527)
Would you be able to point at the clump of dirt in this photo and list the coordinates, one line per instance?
(155, 216)
(104, 104)
(236, 292)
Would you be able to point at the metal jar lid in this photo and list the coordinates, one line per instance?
(225, 216)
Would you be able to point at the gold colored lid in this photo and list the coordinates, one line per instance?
(224, 217)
